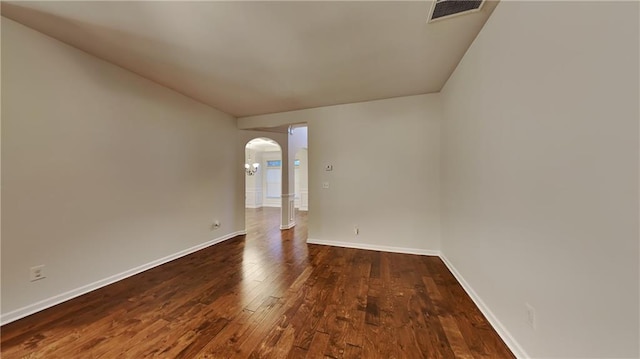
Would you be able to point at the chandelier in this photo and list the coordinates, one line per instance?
(251, 169)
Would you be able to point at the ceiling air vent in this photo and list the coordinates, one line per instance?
(444, 9)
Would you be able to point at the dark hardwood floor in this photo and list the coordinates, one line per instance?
(267, 295)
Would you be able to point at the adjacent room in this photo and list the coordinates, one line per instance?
(320, 179)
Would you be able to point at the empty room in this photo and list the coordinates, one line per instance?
(320, 179)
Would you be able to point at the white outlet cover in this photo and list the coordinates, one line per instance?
(531, 316)
(37, 273)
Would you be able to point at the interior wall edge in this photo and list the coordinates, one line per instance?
(502, 331)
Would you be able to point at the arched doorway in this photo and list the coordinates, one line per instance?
(263, 183)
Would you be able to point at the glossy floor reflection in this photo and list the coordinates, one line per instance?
(267, 295)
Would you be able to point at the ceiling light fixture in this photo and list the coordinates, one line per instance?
(251, 169)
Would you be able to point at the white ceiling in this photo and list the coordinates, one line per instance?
(249, 58)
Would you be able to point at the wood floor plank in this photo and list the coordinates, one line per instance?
(455, 338)
(372, 311)
(317, 345)
(223, 345)
(353, 351)
(296, 353)
(320, 291)
(149, 335)
(268, 294)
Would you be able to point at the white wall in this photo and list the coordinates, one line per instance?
(540, 175)
(302, 180)
(385, 178)
(103, 171)
(298, 140)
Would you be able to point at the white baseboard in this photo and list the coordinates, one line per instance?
(495, 323)
(63, 297)
(289, 226)
(375, 247)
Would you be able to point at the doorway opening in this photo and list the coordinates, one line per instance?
(263, 184)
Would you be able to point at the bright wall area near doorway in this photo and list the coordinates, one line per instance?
(301, 179)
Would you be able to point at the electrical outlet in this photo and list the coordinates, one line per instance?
(356, 230)
(37, 273)
(531, 316)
